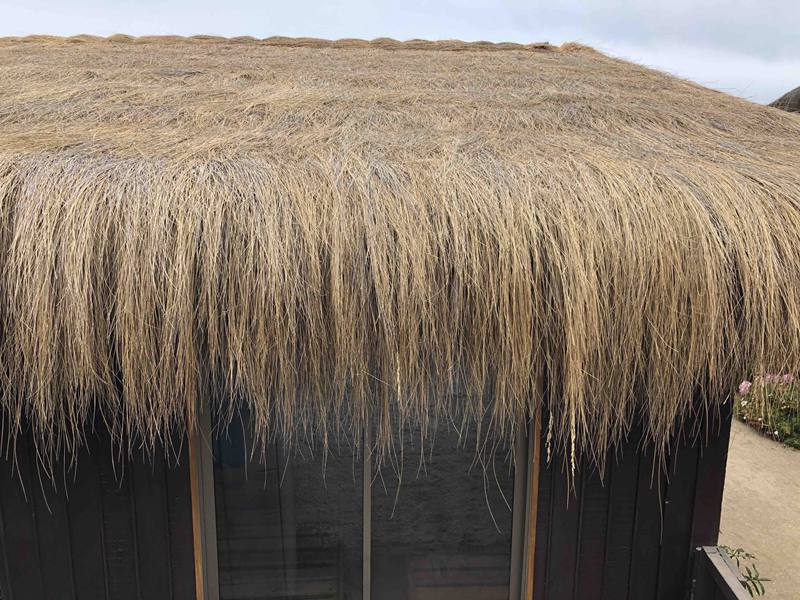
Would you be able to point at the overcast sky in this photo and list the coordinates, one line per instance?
(744, 47)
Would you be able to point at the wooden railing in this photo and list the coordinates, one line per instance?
(715, 577)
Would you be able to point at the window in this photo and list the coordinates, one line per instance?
(438, 521)
(441, 521)
(288, 526)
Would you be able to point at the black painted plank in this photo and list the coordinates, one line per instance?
(564, 539)
(702, 583)
(152, 531)
(647, 527)
(85, 522)
(118, 523)
(79, 536)
(711, 479)
(24, 574)
(5, 480)
(623, 483)
(4, 581)
(676, 542)
(179, 515)
(52, 527)
(594, 530)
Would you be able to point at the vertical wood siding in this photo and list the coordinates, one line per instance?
(631, 534)
(113, 530)
(104, 529)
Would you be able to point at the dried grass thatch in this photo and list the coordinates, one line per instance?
(327, 230)
(790, 101)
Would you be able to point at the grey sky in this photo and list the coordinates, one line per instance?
(744, 47)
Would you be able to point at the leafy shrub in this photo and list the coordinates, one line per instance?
(745, 562)
(771, 404)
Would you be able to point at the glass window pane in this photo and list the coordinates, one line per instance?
(287, 526)
(445, 531)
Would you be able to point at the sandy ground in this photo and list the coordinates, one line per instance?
(761, 508)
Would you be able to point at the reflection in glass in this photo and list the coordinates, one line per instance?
(287, 526)
(443, 532)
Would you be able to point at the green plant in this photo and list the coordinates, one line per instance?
(745, 562)
(738, 555)
(771, 404)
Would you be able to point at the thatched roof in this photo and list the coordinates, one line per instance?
(329, 230)
(790, 101)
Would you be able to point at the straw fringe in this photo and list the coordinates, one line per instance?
(329, 237)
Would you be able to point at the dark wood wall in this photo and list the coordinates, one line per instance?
(122, 530)
(105, 529)
(631, 535)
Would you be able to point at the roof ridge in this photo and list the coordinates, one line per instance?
(383, 43)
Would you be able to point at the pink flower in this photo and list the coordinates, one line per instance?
(744, 388)
(788, 378)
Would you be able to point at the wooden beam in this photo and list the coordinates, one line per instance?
(532, 504)
(527, 447)
(204, 520)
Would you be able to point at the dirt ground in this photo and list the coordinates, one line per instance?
(761, 508)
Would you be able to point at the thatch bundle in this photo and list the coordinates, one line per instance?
(790, 101)
(335, 231)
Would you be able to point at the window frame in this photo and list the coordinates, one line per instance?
(204, 515)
